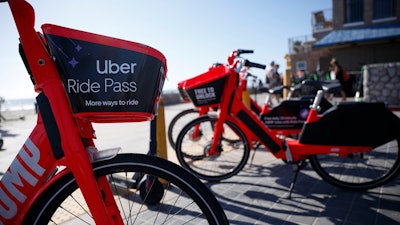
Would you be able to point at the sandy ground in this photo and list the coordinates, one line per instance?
(131, 137)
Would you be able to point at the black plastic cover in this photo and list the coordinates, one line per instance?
(353, 124)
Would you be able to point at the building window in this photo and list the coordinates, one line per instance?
(354, 11)
(384, 9)
(301, 65)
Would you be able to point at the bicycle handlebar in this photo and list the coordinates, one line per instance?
(236, 53)
(253, 64)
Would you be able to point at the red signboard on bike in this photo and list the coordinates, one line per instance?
(107, 79)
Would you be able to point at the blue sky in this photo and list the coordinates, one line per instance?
(191, 34)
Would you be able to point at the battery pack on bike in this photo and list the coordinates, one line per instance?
(107, 79)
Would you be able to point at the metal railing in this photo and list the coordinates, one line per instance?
(301, 44)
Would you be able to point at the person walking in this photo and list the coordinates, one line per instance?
(269, 72)
(272, 80)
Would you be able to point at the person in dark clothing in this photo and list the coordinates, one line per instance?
(344, 78)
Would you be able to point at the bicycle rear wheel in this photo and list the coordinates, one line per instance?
(194, 143)
(360, 171)
(180, 120)
(184, 199)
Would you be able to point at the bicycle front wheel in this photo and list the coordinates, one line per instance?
(360, 171)
(194, 143)
(179, 121)
(183, 199)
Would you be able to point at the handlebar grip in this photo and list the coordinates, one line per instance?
(244, 51)
(255, 65)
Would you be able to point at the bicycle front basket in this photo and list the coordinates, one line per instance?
(107, 79)
(207, 88)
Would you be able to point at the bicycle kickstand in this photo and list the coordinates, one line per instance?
(296, 168)
(255, 147)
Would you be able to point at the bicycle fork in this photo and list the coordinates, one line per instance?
(74, 153)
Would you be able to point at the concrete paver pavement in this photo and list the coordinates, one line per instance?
(258, 194)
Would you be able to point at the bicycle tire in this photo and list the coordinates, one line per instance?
(178, 122)
(361, 171)
(192, 154)
(201, 205)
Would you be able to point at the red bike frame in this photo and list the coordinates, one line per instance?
(34, 169)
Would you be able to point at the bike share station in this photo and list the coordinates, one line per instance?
(355, 151)
(60, 158)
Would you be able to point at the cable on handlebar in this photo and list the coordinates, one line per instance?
(251, 75)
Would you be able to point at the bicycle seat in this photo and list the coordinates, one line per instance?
(276, 90)
(294, 88)
(331, 86)
(263, 89)
(312, 83)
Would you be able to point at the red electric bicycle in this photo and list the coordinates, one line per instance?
(353, 145)
(59, 175)
(279, 117)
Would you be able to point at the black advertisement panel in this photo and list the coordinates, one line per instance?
(103, 78)
(290, 114)
(209, 93)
